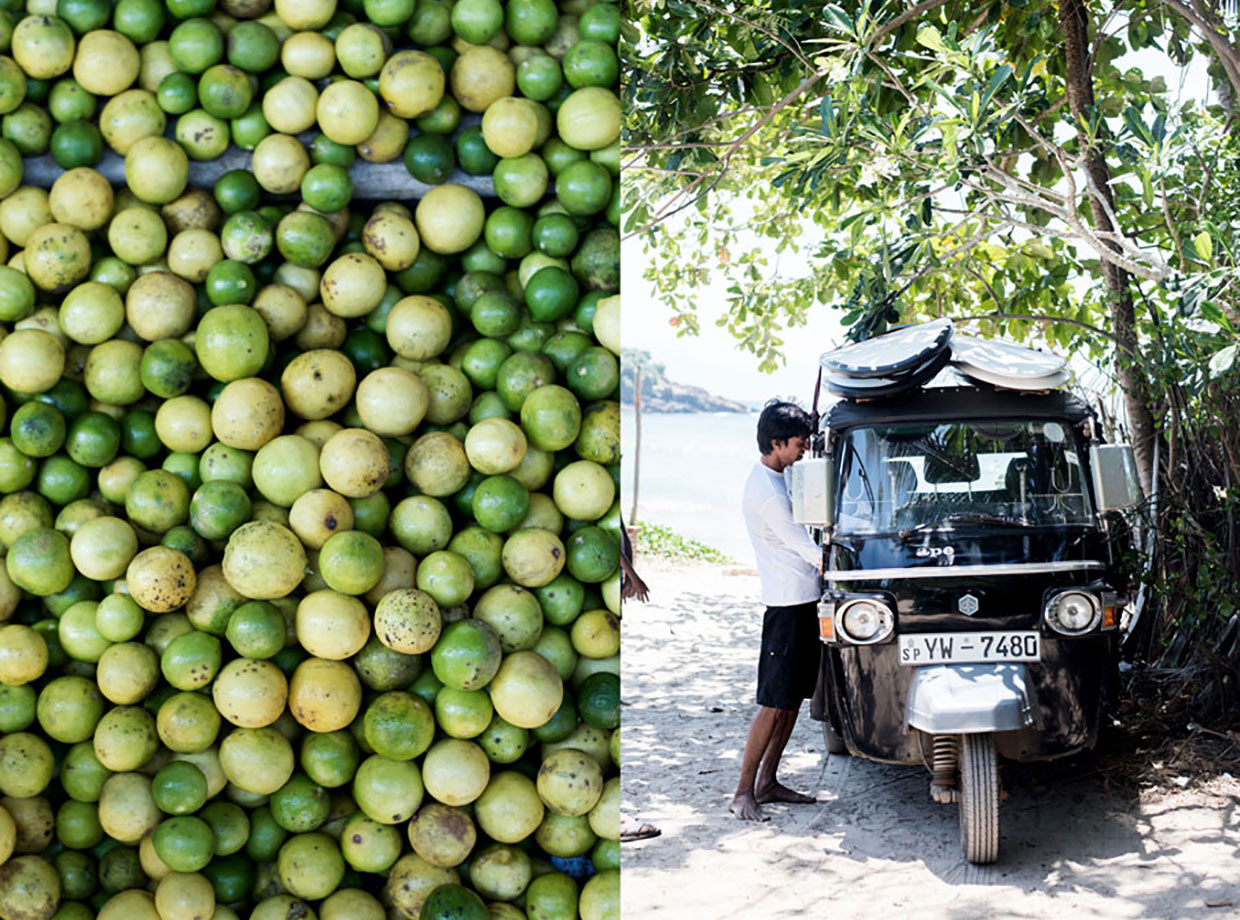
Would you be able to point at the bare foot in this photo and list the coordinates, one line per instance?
(778, 792)
(745, 807)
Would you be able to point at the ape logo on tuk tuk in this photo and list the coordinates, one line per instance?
(989, 454)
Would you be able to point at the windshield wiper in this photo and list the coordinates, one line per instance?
(964, 517)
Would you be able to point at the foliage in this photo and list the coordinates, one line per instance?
(658, 540)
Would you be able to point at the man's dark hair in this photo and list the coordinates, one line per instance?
(781, 421)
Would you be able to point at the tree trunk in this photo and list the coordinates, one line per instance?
(637, 441)
(1074, 18)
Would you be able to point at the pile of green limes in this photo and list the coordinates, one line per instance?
(308, 505)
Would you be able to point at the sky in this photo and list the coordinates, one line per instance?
(712, 359)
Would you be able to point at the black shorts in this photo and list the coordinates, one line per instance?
(791, 649)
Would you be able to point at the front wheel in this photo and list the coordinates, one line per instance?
(979, 798)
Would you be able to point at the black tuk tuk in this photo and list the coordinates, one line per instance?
(972, 583)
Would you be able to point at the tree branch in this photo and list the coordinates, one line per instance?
(795, 52)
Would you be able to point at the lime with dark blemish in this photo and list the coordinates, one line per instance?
(218, 508)
(467, 655)
(599, 439)
(224, 91)
(191, 660)
(37, 429)
(398, 725)
(454, 902)
(168, 368)
(592, 554)
(246, 236)
(305, 239)
(93, 439)
(300, 805)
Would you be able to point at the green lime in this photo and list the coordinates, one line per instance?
(250, 128)
(560, 725)
(521, 375)
(444, 118)
(218, 508)
(252, 46)
(591, 63)
(61, 480)
(305, 239)
(558, 155)
(592, 554)
(230, 282)
(508, 232)
(482, 360)
(168, 367)
(555, 234)
(583, 187)
(179, 788)
(539, 77)
(495, 314)
(473, 154)
(429, 158)
(37, 429)
(256, 629)
(531, 22)
(76, 143)
(326, 187)
(230, 825)
(177, 93)
(467, 655)
(351, 562)
(520, 181)
(184, 843)
(84, 15)
(300, 805)
(431, 23)
(477, 21)
(224, 91)
(598, 700)
(552, 896)
(69, 102)
(184, 9)
(551, 293)
(600, 22)
(195, 45)
(191, 660)
(446, 577)
(93, 439)
(232, 878)
(329, 758)
(266, 836)
(398, 725)
(138, 436)
(16, 295)
(237, 190)
(563, 347)
(482, 549)
(17, 707)
(140, 21)
(325, 150)
(593, 374)
(500, 503)
(29, 128)
(454, 902)
(550, 417)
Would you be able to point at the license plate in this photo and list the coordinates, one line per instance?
(969, 647)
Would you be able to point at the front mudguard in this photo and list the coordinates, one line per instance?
(966, 699)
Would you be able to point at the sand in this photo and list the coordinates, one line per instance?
(1077, 839)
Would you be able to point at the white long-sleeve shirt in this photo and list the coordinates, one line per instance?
(788, 559)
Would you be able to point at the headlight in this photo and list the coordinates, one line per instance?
(865, 621)
(1073, 613)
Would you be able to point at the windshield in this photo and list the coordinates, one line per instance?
(910, 478)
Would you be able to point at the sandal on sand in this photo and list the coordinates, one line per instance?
(645, 832)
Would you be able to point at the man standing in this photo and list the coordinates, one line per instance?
(788, 567)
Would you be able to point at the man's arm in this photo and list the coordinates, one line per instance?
(789, 532)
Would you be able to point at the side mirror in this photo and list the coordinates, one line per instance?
(1114, 469)
(813, 495)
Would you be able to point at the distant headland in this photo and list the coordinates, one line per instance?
(662, 395)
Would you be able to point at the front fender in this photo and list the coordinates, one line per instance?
(965, 699)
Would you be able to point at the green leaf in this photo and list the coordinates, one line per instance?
(929, 37)
(1223, 361)
(1204, 245)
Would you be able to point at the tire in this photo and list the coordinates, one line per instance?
(835, 744)
(979, 799)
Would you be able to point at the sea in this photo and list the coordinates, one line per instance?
(692, 472)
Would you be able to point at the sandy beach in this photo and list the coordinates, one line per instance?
(1080, 839)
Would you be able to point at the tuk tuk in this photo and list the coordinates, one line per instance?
(972, 582)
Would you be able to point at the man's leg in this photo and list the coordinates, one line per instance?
(766, 787)
(745, 803)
